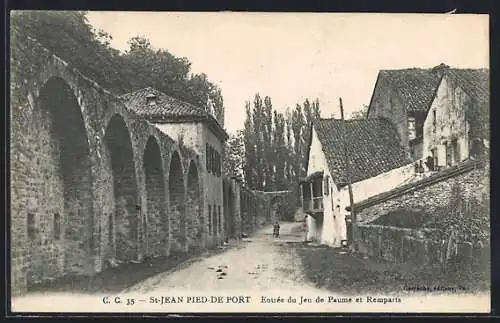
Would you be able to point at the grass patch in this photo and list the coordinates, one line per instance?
(351, 274)
(115, 280)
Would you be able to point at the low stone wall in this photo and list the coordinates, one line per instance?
(429, 196)
(419, 247)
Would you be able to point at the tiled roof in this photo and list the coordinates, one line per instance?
(167, 109)
(373, 147)
(475, 82)
(415, 85)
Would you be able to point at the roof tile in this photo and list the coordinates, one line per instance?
(373, 147)
(167, 108)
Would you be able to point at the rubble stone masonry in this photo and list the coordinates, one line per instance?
(92, 182)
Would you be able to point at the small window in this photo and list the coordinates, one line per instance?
(216, 173)
(219, 166)
(327, 185)
(434, 119)
(434, 159)
(208, 156)
(412, 132)
(212, 160)
(31, 226)
(57, 226)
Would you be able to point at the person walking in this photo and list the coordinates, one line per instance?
(276, 230)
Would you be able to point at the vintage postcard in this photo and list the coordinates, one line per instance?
(189, 162)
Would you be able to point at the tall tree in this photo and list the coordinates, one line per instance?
(234, 158)
(360, 114)
(69, 35)
(258, 118)
(249, 140)
(268, 157)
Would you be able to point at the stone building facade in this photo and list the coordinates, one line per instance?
(406, 97)
(97, 182)
(450, 129)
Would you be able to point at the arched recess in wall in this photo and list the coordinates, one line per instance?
(156, 224)
(124, 214)
(177, 211)
(64, 192)
(193, 209)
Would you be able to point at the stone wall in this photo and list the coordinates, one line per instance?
(94, 185)
(386, 103)
(91, 182)
(430, 195)
(418, 247)
(255, 210)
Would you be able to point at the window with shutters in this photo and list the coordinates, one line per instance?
(208, 154)
(212, 159)
(219, 164)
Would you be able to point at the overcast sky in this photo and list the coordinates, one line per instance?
(293, 56)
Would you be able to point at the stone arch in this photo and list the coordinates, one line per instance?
(156, 219)
(177, 203)
(195, 223)
(123, 204)
(64, 185)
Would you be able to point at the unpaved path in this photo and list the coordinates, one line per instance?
(257, 263)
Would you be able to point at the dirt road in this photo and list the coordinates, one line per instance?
(257, 263)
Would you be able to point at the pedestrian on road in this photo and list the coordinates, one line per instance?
(276, 230)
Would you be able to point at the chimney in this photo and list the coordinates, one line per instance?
(151, 99)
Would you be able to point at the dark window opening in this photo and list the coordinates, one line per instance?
(57, 226)
(434, 159)
(31, 226)
(210, 219)
(434, 119)
(456, 150)
(327, 185)
(207, 158)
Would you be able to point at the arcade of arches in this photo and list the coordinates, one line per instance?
(95, 186)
